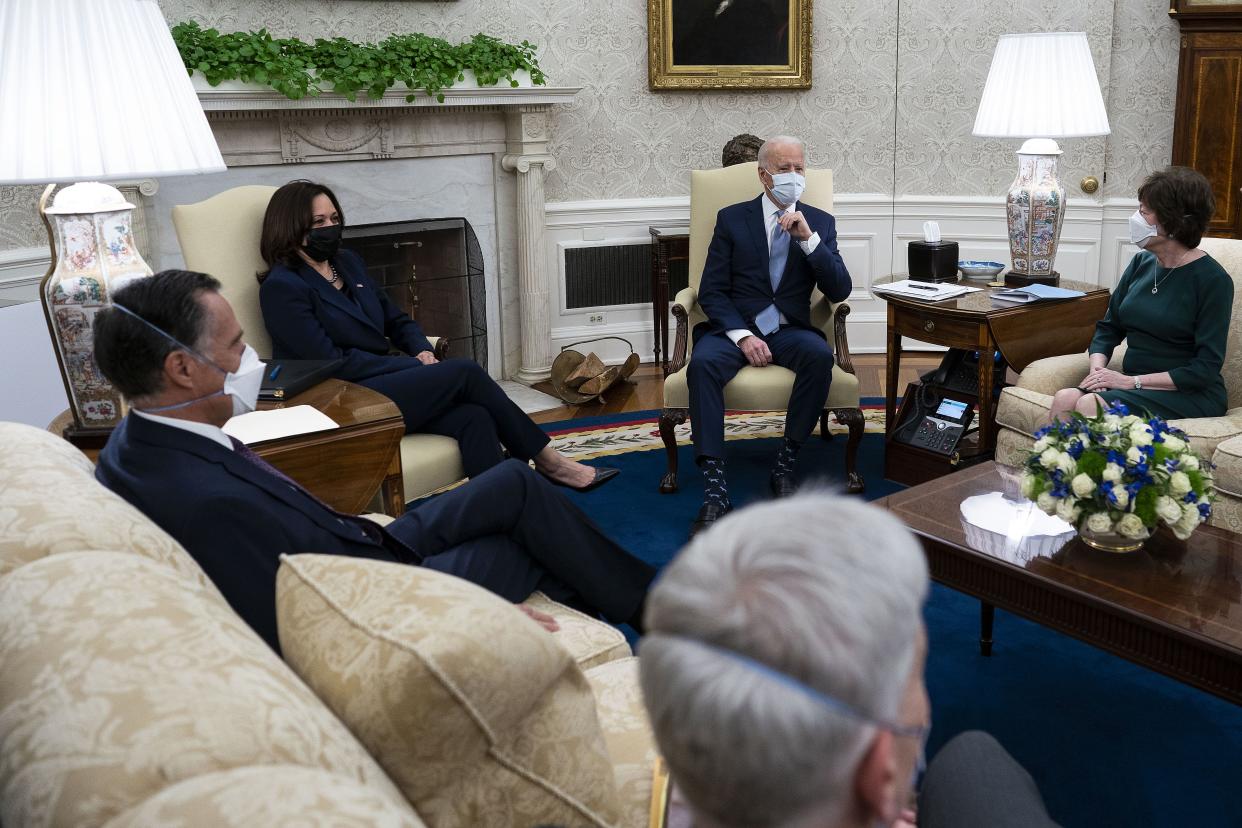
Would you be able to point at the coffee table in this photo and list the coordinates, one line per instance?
(1174, 606)
(343, 467)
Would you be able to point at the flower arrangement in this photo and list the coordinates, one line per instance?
(1118, 473)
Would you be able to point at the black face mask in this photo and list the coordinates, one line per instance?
(323, 242)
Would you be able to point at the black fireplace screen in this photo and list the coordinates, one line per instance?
(433, 270)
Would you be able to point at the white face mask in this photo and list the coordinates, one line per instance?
(1141, 233)
(787, 187)
(242, 385)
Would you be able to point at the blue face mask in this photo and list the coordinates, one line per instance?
(787, 187)
(242, 385)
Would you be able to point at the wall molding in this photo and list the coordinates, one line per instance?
(21, 270)
(873, 230)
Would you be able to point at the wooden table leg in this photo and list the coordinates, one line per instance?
(987, 615)
(892, 367)
(392, 490)
(987, 421)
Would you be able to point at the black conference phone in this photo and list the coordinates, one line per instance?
(939, 414)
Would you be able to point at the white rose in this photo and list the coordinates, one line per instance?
(1140, 437)
(1112, 472)
(1028, 484)
(1047, 503)
(1188, 461)
(1186, 526)
(1068, 465)
(1169, 510)
(1174, 444)
(1128, 421)
(1083, 485)
(1048, 458)
(1131, 526)
(1112, 422)
(1179, 483)
(1100, 522)
(1040, 445)
(1068, 511)
(1133, 456)
(1123, 497)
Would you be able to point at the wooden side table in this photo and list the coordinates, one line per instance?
(343, 467)
(1021, 333)
(668, 244)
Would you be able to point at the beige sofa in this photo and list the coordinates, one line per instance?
(1024, 407)
(131, 694)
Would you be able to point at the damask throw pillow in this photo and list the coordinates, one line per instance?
(475, 712)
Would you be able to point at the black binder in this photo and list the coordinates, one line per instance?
(286, 378)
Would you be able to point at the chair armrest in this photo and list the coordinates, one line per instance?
(683, 305)
(840, 339)
(439, 346)
(1051, 374)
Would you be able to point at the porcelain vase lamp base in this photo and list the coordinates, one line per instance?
(1035, 211)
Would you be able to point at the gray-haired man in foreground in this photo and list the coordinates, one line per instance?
(783, 671)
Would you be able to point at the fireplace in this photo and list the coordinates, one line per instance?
(433, 270)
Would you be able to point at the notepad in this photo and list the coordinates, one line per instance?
(926, 291)
(1034, 293)
(258, 426)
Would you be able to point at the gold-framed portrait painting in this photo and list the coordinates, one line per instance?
(729, 44)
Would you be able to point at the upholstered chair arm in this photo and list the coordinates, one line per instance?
(685, 303)
(439, 346)
(1050, 375)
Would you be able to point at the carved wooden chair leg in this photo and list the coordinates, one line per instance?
(670, 418)
(853, 419)
(825, 433)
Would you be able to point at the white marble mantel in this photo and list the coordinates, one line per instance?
(509, 126)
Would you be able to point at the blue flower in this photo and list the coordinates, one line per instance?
(1117, 457)
(1205, 510)
(1171, 464)
(1075, 449)
(1119, 408)
(1133, 488)
(1061, 490)
(1043, 432)
(1190, 497)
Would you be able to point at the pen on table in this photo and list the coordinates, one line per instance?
(922, 287)
(275, 371)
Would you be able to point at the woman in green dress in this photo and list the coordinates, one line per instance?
(1172, 306)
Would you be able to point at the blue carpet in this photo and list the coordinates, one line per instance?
(1109, 743)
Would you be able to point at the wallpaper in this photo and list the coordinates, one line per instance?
(895, 87)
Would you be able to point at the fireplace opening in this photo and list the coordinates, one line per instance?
(433, 270)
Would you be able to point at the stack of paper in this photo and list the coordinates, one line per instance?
(1034, 293)
(258, 426)
(926, 291)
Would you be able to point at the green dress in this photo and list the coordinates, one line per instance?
(1181, 329)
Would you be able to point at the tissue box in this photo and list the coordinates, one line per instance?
(933, 261)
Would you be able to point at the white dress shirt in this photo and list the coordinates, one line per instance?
(770, 213)
(201, 429)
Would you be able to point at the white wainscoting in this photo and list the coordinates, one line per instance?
(872, 235)
(21, 270)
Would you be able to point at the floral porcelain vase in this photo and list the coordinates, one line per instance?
(89, 225)
(1035, 207)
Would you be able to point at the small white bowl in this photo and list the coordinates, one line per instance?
(982, 271)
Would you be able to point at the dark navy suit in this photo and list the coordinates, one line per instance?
(734, 289)
(308, 318)
(508, 530)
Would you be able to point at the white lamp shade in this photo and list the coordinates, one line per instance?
(95, 89)
(1042, 85)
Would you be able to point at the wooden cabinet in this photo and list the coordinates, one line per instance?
(1207, 127)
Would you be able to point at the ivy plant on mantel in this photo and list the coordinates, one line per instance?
(298, 70)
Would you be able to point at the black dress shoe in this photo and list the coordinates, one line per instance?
(782, 485)
(710, 512)
(602, 475)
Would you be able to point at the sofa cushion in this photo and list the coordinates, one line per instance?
(50, 502)
(477, 714)
(590, 641)
(272, 796)
(120, 678)
(627, 730)
(763, 389)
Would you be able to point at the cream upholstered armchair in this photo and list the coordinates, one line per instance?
(1024, 407)
(220, 237)
(755, 389)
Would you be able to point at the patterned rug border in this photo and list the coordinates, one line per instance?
(643, 434)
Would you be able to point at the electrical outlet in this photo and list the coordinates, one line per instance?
(596, 319)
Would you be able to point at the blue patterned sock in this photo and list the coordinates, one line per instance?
(714, 488)
(785, 458)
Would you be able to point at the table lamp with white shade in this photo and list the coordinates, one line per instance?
(92, 90)
(1041, 87)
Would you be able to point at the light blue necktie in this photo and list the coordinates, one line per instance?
(769, 319)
